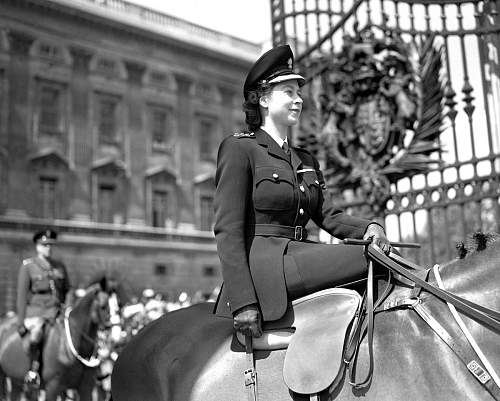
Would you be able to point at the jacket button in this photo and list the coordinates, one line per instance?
(302, 188)
(316, 182)
(275, 176)
(301, 211)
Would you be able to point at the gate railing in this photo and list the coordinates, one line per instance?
(440, 206)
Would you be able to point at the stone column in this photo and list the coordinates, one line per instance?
(135, 143)
(80, 134)
(185, 146)
(19, 122)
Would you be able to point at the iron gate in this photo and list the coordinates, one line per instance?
(452, 188)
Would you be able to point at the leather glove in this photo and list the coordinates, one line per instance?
(22, 330)
(376, 234)
(248, 321)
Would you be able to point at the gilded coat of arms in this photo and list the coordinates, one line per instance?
(380, 103)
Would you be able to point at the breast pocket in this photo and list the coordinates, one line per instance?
(273, 189)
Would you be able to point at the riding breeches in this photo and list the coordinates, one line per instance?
(312, 267)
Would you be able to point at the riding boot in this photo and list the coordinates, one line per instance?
(32, 378)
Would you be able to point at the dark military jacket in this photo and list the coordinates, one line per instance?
(257, 183)
(41, 288)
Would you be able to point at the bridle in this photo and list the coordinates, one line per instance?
(91, 362)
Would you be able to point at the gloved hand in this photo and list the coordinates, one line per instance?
(248, 321)
(22, 330)
(376, 234)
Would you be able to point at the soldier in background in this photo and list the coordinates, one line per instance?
(42, 287)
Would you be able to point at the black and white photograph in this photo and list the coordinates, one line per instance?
(249, 200)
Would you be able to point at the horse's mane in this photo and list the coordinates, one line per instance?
(476, 242)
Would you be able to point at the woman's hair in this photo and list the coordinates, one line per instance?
(253, 118)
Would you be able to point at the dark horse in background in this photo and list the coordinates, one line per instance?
(60, 368)
(186, 356)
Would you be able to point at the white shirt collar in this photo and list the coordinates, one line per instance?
(276, 137)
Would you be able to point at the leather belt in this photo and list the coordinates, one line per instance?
(297, 233)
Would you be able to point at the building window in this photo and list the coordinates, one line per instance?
(107, 117)
(50, 52)
(161, 270)
(48, 188)
(50, 109)
(107, 67)
(160, 208)
(206, 139)
(159, 127)
(209, 271)
(105, 205)
(206, 212)
(158, 78)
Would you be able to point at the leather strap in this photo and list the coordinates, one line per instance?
(479, 313)
(250, 373)
(297, 233)
(463, 354)
(465, 330)
(490, 312)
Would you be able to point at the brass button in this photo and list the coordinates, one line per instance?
(301, 211)
(302, 188)
(275, 176)
(316, 182)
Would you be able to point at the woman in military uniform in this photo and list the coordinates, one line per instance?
(42, 287)
(266, 192)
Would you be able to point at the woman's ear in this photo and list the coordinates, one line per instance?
(264, 100)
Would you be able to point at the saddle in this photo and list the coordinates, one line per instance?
(313, 331)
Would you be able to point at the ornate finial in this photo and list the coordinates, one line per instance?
(468, 98)
(449, 95)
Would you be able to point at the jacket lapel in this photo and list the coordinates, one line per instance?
(296, 161)
(264, 139)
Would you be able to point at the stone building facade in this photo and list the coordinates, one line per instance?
(110, 118)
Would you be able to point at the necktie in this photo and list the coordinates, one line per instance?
(286, 148)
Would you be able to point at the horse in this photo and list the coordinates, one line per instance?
(67, 356)
(192, 355)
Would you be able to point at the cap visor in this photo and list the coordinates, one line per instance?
(47, 241)
(288, 77)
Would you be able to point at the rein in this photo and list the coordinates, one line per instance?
(93, 361)
(486, 316)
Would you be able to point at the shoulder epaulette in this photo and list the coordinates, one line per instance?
(244, 135)
(27, 261)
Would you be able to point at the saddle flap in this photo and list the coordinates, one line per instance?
(314, 358)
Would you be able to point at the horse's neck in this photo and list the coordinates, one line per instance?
(476, 277)
(81, 327)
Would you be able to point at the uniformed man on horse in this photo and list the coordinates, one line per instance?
(41, 292)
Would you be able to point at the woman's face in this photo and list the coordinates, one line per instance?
(283, 103)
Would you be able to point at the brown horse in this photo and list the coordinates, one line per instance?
(63, 362)
(191, 355)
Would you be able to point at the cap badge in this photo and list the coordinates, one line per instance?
(290, 63)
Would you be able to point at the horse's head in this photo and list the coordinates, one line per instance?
(95, 303)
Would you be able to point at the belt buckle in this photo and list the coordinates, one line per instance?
(298, 233)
